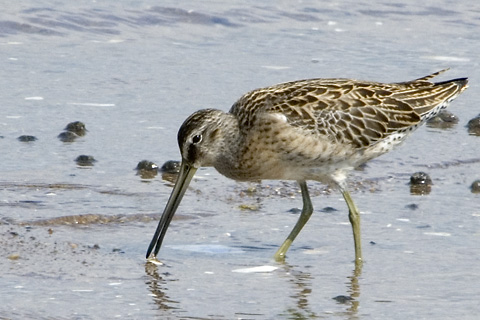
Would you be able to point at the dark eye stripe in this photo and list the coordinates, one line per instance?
(192, 153)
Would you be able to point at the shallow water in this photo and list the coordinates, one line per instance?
(73, 239)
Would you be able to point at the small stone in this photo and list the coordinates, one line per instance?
(14, 256)
(84, 160)
(412, 206)
(251, 190)
(443, 120)
(76, 127)
(171, 166)
(146, 165)
(295, 211)
(147, 169)
(419, 178)
(474, 126)
(420, 183)
(249, 207)
(475, 187)
(26, 138)
(342, 299)
(328, 209)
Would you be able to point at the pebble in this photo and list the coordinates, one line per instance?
(420, 183)
(73, 130)
(76, 127)
(171, 166)
(420, 178)
(146, 165)
(25, 138)
(147, 169)
(85, 160)
(474, 126)
(475, 187)
(443, 120)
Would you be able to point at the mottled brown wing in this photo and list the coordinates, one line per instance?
(348, 111)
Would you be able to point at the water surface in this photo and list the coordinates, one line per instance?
(73, 238)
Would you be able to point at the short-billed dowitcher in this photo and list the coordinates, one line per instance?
(316, 129)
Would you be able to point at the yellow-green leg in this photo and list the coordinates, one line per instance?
(354, 217)
(302, 220)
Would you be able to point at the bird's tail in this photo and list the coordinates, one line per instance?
(437, 96)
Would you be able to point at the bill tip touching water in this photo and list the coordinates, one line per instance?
(316, 129)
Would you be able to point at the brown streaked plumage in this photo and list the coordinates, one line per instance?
(316, 129)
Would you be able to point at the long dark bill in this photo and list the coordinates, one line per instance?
(185, 175)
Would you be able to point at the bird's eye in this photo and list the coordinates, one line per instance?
(197, 138)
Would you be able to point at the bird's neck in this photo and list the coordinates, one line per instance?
(228, 155)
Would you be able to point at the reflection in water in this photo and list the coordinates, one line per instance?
(354, 290)
(157, 286)
(303, 280)
(300, 294)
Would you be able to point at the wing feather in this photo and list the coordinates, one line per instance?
(349, 111)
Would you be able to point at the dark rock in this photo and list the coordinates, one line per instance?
(76, 127)
(475, 187)
(26, 138)
(85, 161)
(171, 166)
(420, 183)
(147, 169)
(474, 126)
(146, 165)
(443, 120)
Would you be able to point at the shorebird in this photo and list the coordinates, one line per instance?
(317, 129)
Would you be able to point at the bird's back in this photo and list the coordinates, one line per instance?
(348, 111)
